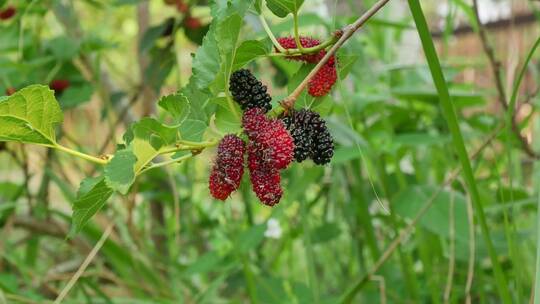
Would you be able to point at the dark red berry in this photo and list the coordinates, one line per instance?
(192, 23)
(7, 13)
(59, 85)
(181, 6)
(270, 137)
(228, 168)
(265, 180)
(10, 91)
(306, 42)
(321, 84)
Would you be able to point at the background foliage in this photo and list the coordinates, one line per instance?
(143, 76)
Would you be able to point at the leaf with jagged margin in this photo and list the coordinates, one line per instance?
(92, 196)
(219, 42)
(177, 105)
(206, 61)
(30, 116)
(119, 174)
(282, 8)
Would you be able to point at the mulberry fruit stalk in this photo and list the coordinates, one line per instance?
(321, 84)
(228, 168)
(248, 91)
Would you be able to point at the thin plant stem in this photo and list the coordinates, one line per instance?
(78, 154)
(296, 34)
(268, 31)
(459, 145)
(165, 163)
(85, 264)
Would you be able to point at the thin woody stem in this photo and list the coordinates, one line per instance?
(349, 30)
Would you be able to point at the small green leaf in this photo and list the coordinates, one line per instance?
(93, 194)
(119, 172)
(149, 136)
(282, 8)
(30, 116)
(177, 105)
(248, 51)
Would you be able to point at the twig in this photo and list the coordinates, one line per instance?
(85, 264)
(348, 31)
(498, 78)
(271, 35)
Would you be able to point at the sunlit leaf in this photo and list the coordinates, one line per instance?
(30, 115)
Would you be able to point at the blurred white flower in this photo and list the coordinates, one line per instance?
(273, 229)
(405, 165)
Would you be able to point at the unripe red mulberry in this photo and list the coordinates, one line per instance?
(269, 136)
(321, 84)
(265, 179)
(306, 42)
(228, 168)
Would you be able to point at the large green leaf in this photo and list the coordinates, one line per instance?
(206, 61)
(92, 196)
(30, 115)
(282, 8)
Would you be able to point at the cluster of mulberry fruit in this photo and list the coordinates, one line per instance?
(272, 144)
(321, 84)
